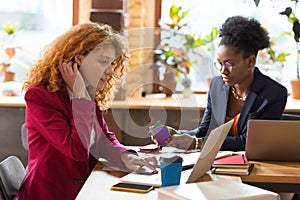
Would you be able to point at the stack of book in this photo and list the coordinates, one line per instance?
(236, 164)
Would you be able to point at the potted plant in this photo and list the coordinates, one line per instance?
(169, 55)
(272, 59)
(292, 18)
(176, 49)
(187, 90)
(176, 62)
(9, 51)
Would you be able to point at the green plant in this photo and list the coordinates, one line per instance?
(177, 46)
(271, 60)
(10, 30)
(177, 15)
(8, 49)
(292, 18)
(273, 54)
(257, 2)
(169, 53)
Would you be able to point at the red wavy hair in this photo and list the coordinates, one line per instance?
(79, 40)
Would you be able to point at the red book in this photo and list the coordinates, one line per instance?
(233, 161)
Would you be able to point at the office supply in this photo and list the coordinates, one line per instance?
(170, 167)
(203, 164)
(243, 157)
(220, 189)
(149, 148)
(234, 170)
(233, 161)
(236, 164)
(273, 140)
(132, 187)
(274, 176)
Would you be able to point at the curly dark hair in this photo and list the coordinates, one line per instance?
(244, 34)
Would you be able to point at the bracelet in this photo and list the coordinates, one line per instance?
(196, 143)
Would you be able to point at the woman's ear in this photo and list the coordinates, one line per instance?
(252, 61)
(79, 59)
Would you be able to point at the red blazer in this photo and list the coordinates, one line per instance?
(59, 131)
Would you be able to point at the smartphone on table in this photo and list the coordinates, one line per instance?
(129, 187)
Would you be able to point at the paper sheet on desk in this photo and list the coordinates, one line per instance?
(189, 159)
(203, 160)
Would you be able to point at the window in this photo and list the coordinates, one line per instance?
(39, 22)
(204, 15)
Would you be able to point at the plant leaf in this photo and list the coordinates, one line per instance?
(286, 12)
(184, 14)
(174, 13)
(296, 29)
(282, 57)
(10, 29)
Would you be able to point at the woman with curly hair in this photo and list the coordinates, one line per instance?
(68, 89)
(241, 92)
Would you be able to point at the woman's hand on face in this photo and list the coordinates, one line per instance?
(182, 141)
(134, 162)
(72, 77)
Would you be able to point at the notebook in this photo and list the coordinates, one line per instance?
(203, 164)
(273, 140)
(233, 161)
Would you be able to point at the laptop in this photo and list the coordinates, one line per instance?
(273, 140)
(203, 164)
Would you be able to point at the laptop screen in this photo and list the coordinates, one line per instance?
(273, 140)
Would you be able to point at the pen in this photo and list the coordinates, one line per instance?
(243, 157)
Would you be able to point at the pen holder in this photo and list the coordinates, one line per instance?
(171, 167)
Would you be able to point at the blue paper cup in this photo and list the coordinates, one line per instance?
(171, 168)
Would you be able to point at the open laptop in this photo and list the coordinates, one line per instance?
(273, 140)
(203, 164)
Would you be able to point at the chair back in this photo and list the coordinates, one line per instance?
(286, 116)
(12, 173)
(24, 137)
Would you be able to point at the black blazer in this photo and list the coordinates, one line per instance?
(266, 99)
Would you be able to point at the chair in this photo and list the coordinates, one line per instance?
(286, 116)
(24, 137)
(12, 173)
